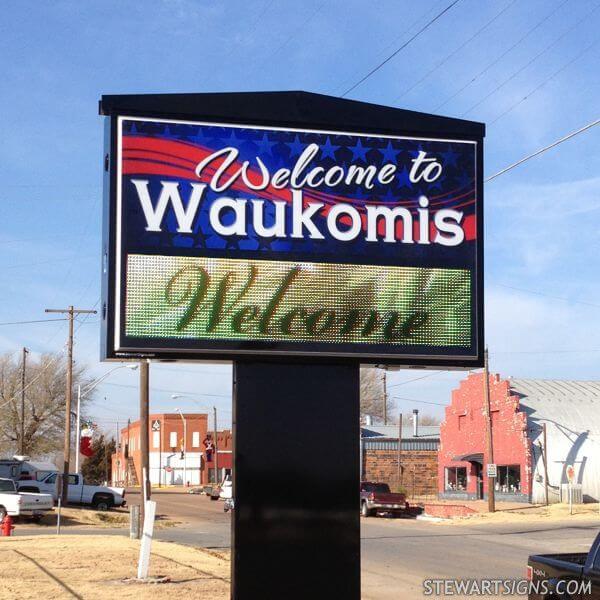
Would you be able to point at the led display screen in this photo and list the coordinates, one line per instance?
(235, 240)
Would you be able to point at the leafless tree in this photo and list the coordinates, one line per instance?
(44, 403)
(372, 395)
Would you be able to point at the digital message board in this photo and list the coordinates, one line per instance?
(236, 239)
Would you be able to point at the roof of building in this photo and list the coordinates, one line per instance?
(391, 432)
(572, 404)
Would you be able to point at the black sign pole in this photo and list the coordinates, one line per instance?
(295, 526)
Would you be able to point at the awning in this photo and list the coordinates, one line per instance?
(477, 458)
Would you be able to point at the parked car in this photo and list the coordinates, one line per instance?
(17, 504)
(565, 576)
(377, 497)
(98, 496)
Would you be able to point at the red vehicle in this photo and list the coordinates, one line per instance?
(378, 498)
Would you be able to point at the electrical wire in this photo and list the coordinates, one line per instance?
(53, 360)
(27, 322)
(418, 401)
(454, 52)
(510, 287)
(397, 51)
(499, 58)
(415, 379)
(530, 62)
(543, 83)
(542, 150)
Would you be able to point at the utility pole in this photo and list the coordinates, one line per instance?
(70, 312)
(144, 432)
(545, 455)
(488, 431)
(399, 449)
(22, 436)
(216, 448)
(385, 396)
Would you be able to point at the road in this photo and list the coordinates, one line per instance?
(397, 554)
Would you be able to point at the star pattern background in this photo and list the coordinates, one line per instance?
(280, 148)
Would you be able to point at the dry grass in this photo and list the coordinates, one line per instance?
(84, 517)
(95, 566)
(537, 514)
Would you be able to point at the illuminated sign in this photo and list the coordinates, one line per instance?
(230, 239)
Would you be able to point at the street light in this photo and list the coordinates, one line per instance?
(85, 391)
(184, 446)
(174, 397)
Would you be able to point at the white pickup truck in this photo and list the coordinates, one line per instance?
(100, 497)
(17, 504)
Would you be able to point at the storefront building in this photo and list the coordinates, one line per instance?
(414, 469)
(520, 409)
(174, 458)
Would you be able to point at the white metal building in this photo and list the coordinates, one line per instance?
(571, 412)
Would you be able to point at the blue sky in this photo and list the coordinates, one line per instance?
(527, 69)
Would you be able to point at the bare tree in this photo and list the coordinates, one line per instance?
(372, 395)
(424, 419)
(44, 403)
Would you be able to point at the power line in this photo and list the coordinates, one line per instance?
(27, 322)
(51, 261)
(530, 62)
(497, 60)
(543, 83)
(510, 287)
(404, 45)
(419, 401)
(542, 150)
(415, 379)
(454, 52)
(383, 51)
(153, 389)
(53, 360)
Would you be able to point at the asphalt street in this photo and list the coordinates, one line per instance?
(397, 554)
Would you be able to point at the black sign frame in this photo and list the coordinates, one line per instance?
(294, 110)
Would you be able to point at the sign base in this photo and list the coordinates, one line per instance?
(296, 523)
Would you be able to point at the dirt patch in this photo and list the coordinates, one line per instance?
(85, 517)
(554, 512)
(97, 566)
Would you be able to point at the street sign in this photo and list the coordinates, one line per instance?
(492, 470)
(156, 425)
(168, 469)
(318, 235)
(570, 471)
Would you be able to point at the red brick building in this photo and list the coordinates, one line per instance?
(414, 470)
(463, 453)
(521, 410)
(173, 460)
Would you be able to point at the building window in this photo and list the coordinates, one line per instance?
(173, 439)
(508, 480)
(461, 422)
(456, 479)
(195, 439)
(156, 439)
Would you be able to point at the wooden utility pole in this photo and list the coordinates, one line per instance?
(216, 449)
(488, 432)
(144, 432)
(399, 449)
(545, 455)
(70, 312)
(22, 433)
(385, 396)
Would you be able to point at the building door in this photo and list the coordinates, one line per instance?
(479, 476)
